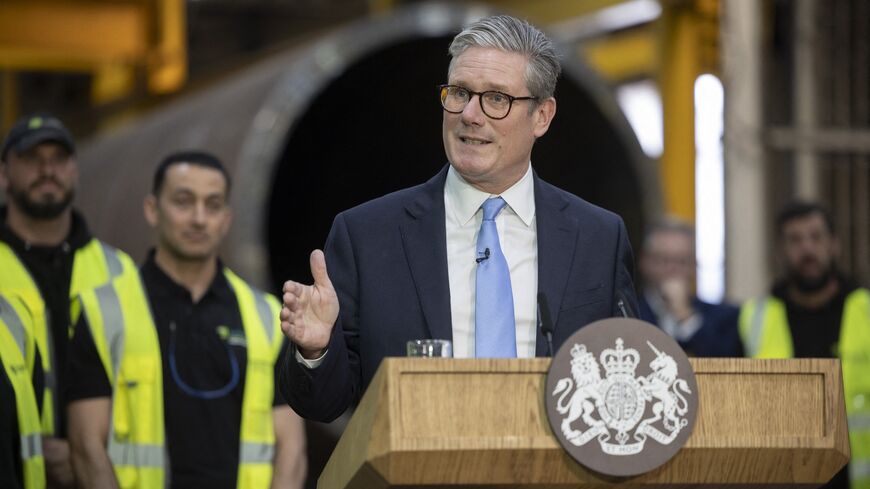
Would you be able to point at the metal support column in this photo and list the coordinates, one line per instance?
(806, 178)
(746, 217)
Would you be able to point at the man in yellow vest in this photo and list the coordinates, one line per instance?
(47, 255)
(21, 462)
(174, 368)
(816, 312)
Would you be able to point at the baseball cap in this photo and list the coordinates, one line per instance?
(35, 129)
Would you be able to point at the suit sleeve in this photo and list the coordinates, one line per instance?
(623, 276)
(324, 393)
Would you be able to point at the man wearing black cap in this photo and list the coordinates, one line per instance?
(47, 256)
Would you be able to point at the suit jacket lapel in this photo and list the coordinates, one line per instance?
(425, 241)
(557, 239)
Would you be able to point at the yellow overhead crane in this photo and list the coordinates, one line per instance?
(123, 43)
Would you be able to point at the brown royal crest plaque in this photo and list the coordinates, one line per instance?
(621, 397)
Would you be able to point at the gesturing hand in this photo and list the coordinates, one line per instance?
(310, 311)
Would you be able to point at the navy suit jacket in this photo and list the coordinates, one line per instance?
(387, 259)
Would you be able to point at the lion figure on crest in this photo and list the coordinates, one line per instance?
(587, 376)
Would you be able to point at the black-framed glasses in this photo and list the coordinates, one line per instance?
(496, 105)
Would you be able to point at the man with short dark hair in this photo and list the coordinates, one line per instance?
(47, 256)
(667, 268)
(174, 367)
(817, 312)
(468, 255)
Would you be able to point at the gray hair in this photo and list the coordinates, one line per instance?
(514, 36)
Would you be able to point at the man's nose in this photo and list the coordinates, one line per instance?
(199, 213)
(473, 114)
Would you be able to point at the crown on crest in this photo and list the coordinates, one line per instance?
(579, 355)
(620, 360)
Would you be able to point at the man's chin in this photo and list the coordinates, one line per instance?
(42, 206)
(193, 254)
(809, 285)
(44, 210)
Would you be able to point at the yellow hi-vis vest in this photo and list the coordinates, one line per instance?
(125, 336)
(17, 353)
(93, 264)
(766, 334)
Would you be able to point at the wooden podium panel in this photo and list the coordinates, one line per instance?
(482, 423)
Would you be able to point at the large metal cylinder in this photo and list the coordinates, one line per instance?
(330, 124)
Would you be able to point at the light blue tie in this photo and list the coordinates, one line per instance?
(494, 327)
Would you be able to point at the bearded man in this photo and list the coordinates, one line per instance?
(47, 256)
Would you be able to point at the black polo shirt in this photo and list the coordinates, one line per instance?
(51, 270)
(202, 434)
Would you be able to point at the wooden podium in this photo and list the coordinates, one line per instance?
(482, 423)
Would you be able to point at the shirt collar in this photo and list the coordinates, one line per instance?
(160, 284)
(463, 199)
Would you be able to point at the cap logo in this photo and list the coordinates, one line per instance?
(621, 397)
(34, 123)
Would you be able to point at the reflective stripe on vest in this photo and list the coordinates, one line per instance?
(93, 264)
(257, 453)
(136, 455)
(16, 352)
(756, 328)
(113, 326)
(113, 262)
(14, 325)
(859, 470)
(31, 446)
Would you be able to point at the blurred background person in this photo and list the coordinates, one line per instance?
(22, 465)
(200, 351)
(667, 267)
(47, 256)
(816, 311)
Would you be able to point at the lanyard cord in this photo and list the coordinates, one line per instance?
(202, 394)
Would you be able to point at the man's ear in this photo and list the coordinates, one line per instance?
(544, 113)
(149, 208)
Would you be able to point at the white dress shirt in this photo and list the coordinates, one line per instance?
(518, 237)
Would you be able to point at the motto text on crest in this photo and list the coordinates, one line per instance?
(612, 408)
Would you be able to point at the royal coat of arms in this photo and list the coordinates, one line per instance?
(621, 396)
(612, 408)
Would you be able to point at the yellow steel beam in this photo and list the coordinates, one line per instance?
(680, 67)
(59, 35)
(537, 11)
(167, 63)
(111, 39)
(112, 82)
(629, 55)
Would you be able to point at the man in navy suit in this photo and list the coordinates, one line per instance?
(417, 263)
(667, 269)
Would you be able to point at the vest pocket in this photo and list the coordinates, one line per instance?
(136, 399)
